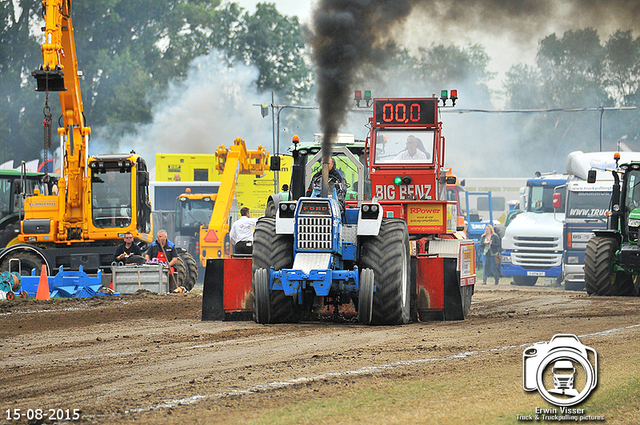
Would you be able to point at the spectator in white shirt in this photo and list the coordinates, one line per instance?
(241, 233)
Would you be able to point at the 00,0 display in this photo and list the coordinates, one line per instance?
(405, 112)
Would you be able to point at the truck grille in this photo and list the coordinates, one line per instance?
(542, 252)
(314, 233)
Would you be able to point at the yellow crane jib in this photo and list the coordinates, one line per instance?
(251, 161)
(231, 162)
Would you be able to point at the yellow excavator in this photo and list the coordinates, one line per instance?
(99, 198)
(202, 219)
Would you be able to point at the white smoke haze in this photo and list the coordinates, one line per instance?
(212, 106)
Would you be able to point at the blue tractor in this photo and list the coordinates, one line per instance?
(314, 247)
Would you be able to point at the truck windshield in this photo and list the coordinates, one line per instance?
(588, 204)
(194, 212)
(541, 199)
(111, 196)
(404, 146)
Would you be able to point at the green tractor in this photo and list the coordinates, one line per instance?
(15, 185)
(349, 155)
(612, 257)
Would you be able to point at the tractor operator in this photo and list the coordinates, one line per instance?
(333, 174)
(126, 249)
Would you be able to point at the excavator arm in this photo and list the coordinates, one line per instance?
(59, 72)
(231, 162)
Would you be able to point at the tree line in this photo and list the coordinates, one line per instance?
(131, 50)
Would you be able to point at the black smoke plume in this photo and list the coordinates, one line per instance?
(348, 35)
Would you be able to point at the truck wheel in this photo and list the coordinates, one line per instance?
(270, 249)
(573, 286)
(466, 293)
(191, 270)
(261, 296)
(525, 280)
(598, 279)
(9, 233)
(365, 296)
(28, 261)
(388, 256)
(179, 274)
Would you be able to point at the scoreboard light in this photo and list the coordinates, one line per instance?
(444, 96)
(454, 96)
(358, 97)
(367, 98)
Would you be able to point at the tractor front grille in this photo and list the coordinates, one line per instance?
(314, 233)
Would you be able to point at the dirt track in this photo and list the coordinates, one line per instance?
(150, 359)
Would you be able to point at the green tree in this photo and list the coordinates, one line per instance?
(130, 50)
(20, 106)
(272, 42)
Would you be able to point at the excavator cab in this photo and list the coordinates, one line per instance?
(119, 195)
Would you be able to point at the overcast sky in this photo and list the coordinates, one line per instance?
(509, 29)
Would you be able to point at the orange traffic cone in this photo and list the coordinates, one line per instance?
(43, 285)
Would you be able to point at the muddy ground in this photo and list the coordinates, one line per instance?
(148, 358)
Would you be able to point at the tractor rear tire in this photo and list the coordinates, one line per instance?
(271, 210)
(271, 249)
(191, 270)
(598, 279)
(9, 233)
(28, 261)
(388, 256)
(525, 280)
(365, 296)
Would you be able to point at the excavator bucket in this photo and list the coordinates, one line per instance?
(52, 80)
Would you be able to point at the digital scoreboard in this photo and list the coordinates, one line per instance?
(405, 112)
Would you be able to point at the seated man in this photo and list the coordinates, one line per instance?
(126, 250)
(412, 153)
(164, 250)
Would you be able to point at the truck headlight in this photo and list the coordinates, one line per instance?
(633, 222)
(505, 258)
(572, 259)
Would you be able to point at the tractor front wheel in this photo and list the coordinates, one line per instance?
(261, 297)
(273, 250)
(365, 296)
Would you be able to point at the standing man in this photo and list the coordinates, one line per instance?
(164, 250)
(126, 249)
(241, 233)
